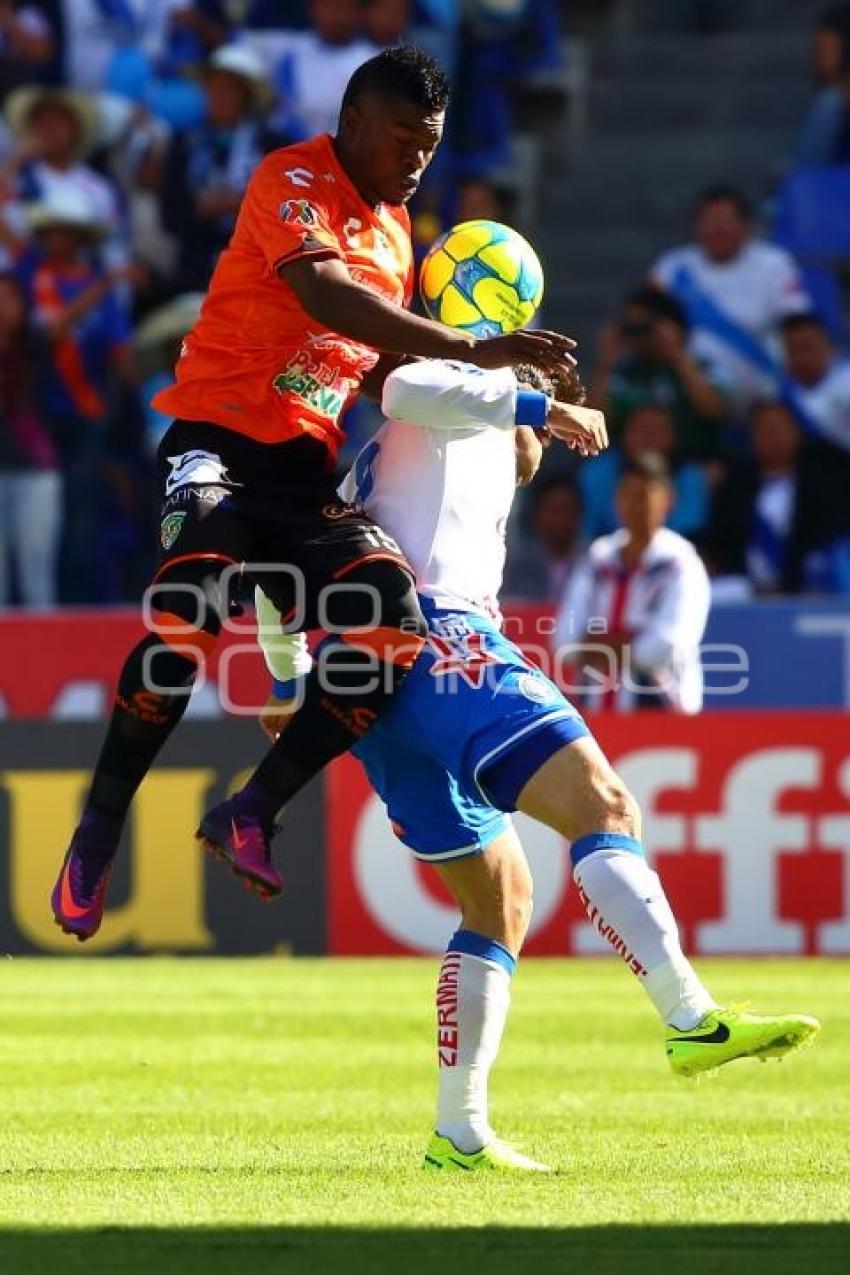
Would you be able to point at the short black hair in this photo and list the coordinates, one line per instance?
(724, 194)
(650, 466)
(660, 304)
(806, 320)
(554, 482)
(403, 71)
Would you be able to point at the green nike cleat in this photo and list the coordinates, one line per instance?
(441, 1153)
(726, 1034)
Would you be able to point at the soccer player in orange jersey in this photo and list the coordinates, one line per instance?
(305, 308)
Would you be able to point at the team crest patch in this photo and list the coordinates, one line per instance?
(340, 510)
(169, 529)
(535, 688)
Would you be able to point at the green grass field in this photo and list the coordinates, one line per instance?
(260, 1115)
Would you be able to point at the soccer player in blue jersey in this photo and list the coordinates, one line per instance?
(477, 732)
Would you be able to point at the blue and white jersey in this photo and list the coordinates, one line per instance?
(440, 477)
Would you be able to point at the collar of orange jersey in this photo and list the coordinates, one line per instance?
(344, 179)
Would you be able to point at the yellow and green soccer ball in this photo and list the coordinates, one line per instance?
(483, 278)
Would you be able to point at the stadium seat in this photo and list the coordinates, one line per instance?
(811, 215)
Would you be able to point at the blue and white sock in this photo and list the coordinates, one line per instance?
(627, 904)
(473, 998)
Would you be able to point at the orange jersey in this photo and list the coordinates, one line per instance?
(256, 362)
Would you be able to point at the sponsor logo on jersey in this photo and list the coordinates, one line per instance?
(209, 497)
(170, 528)
(350, 229)
(196, 467)
(299, 176)
(317, 383)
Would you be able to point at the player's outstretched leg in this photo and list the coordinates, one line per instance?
(153, 691)
(378, 633)
(493, 891)
(579, 794)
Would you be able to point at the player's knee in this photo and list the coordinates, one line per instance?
(618, 809)
(520, 908)
(185, 608)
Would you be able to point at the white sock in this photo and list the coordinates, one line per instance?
(473, 998)
(627, 904)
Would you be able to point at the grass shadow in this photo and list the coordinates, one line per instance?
(816, 1249)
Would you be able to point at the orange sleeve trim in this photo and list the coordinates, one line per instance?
(194, 557)
(375, 557)
(297, 254)
(390, 645)
(183, 636)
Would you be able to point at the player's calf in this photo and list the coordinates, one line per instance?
(153, 690)
(493, 891)
(578, 792)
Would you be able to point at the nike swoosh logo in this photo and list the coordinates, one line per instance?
(69, 907)
(718, 1037)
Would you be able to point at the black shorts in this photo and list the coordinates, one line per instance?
(272, 509)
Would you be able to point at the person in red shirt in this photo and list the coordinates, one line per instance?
(305, 309)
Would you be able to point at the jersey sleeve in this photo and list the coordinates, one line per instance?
(287, 216)
(449, 397)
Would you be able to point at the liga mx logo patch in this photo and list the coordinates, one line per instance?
(170, 528)
(299, 210)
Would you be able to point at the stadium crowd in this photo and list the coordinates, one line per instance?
(129, 129)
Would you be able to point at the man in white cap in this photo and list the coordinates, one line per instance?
(56, 129)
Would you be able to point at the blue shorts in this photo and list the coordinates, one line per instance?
(472, 722)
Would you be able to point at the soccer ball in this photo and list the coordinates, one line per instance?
(481, 277)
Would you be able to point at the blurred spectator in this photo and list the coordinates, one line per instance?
(503, 42)
(206, 170)
(774, 523)
(266, 15)
(644, 361)
(640, 599)
(820, 379)
(736, 290)
(158, 64)
(825, 137)
(84, 331)
(540, 566)
(477, 198)
(56, 129)
(157, 343)
(30, 482)
(27, 44)
(388, 21)
(310, 69)
(648, 429)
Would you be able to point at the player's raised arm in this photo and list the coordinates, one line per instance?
(328, 293)
(450, 396)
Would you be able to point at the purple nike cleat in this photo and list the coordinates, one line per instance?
(233, 831)
(80, 892)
